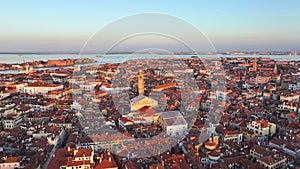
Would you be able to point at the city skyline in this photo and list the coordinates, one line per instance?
(34, 26)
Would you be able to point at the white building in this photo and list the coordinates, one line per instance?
(12, 121)
(289, 105)
(42, 106)
(76, 106)
(273, 161)
(87, 86)
(289, 97)
(293, 86)
(262, 127)
(17, 85)
(4, 95)
(222, 94)
(173, 123)
(82, 158)
(233, 136)
(40, 88)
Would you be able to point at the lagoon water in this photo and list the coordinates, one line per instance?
(115, 58)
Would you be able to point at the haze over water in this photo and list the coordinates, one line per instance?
(116, 58)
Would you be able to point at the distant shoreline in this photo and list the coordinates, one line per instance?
(155, 53)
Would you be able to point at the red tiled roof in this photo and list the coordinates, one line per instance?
(292, 115)
(269, 159)
(43, 85)
(105, 164)
(123, 119)
(263, 123)
(60, 158)
(71, 162)
(11, 160)
(84, 152)
(260, 150)
(100, 92)
(163, 86)
(211, 143)
(215, 153)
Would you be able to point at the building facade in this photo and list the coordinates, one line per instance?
(173, 123)
(262, 127)
(37, 88)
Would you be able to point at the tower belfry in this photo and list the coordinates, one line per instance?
(141, 85)
(275, 68)
(254, 64)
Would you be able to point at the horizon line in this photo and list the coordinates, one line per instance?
(153, 52)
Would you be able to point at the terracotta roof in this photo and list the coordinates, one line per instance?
(60, 158)
(83, 152)
(263, 123)
(125, 120)
(215, 153)
(163, 86)
(71, 162)
(43, 85)
(12, 160)
(260, 150)
(106, 164)
(271, 159)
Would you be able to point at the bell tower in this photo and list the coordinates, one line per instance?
(254, 68)
(141, 85)
(275, 69)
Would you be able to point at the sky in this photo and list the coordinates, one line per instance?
(231, 25)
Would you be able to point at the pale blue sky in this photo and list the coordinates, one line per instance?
(64, 25)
